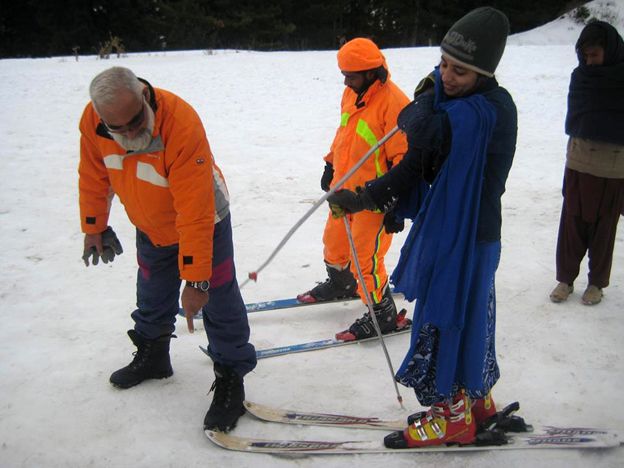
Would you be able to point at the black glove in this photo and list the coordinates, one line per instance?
(416, 113)
(392, 224)
(346, 201)
(110, 247)
(327, 177)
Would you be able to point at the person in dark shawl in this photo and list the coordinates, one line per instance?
(461, 130)
(593, 181)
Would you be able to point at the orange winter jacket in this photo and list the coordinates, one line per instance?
(362, 125)
(172, 191)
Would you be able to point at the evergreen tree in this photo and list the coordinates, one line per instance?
(53, 27)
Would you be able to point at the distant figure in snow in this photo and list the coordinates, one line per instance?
(593, 181)
(461, 130)
(149, 147)
(369, 108)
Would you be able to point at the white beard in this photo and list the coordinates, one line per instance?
(142, 140)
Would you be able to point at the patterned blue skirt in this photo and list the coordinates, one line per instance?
(469, 356)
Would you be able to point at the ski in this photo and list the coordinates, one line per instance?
(277, 304)
(270, 414)
(317, 345)
(403, 326)
(504, 420)
(548, 437)
(313, 345)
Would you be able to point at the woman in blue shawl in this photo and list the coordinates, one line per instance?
(461, 130)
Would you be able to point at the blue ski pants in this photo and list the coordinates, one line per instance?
(225, 316)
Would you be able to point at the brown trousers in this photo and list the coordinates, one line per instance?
(589, 217)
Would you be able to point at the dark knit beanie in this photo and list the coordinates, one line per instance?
(477, 40)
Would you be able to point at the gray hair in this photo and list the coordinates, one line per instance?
(105, 86)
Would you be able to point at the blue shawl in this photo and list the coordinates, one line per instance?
(437, 261)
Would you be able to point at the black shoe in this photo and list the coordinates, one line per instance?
(227, 403)
(386, 314)
(151, 361)
(340, 284)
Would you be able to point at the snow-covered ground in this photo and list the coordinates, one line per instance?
(270, 118)
(566, 29)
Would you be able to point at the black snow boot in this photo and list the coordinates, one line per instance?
(340, 284)
(151, 361)
(386, 314)
(227, 403)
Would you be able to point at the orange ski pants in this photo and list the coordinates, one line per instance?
(371, 244)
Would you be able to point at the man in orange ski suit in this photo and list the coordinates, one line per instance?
(148, 146)
(370, 105)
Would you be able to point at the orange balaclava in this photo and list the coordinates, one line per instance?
(360, 54)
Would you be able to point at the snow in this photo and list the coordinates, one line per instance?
(270, 118)
(566, 29)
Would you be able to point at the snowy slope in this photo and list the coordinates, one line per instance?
(270, 118)
(565, 30)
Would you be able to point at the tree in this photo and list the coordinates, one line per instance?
(37, 28)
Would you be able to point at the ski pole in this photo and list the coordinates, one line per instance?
(254, 274)
(371, 311)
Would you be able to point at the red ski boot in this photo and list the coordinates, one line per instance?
(444, 424)
(483, 409)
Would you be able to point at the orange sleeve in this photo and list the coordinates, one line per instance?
(395, 147)
(93, 185)
(192, 188)
(329, 157)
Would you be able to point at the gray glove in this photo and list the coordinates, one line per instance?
(110, 247)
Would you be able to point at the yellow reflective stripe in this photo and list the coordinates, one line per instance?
(376, 297)
(364, 131)
(375, 273)
(344, 118)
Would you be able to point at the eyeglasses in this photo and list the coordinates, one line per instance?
(134, 123)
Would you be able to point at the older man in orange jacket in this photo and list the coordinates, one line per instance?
(149, 147)
(370, 105)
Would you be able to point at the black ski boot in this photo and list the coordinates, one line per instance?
(151, 361)
(227, 403)
(340, 284)
(386, 314)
